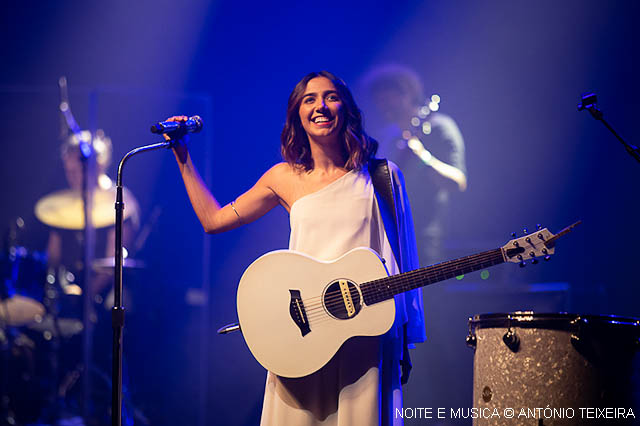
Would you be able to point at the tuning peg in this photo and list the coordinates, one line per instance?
(522, 264)
(513, 234)
(525, 231)
(538, 226)
(534, 261)
(547, 257)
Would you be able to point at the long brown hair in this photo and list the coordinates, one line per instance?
(358, 146)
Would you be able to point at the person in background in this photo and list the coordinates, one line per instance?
(62, 211)
(427, 146)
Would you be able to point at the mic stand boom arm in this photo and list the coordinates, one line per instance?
(117, 312)
(589, 103)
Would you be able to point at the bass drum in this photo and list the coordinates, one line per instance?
(525, 360)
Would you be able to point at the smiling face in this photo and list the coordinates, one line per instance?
(321, 110)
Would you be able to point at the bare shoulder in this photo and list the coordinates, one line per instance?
(284, 181)
(280, 179)
(280, 172)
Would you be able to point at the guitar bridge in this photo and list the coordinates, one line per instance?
(298, 313)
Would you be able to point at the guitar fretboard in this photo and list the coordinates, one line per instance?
(385, 288)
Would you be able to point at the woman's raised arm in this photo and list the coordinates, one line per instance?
(214, 218)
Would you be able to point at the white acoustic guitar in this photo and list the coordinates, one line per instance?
(295, 312)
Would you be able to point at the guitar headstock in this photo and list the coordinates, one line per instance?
(529, 247)
(534, 245)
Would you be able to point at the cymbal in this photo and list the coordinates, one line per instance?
(68, 327)
(110, 263)
(19, 310)
(64, 209)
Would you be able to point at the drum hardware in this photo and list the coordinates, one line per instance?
(486, 394)
(511, 339)
(576, 336)
(471, 340)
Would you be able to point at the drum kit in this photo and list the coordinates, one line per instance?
(41, 324)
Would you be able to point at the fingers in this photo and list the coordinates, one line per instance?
(179, 118)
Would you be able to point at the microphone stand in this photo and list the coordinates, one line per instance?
(117, 312)
(589, 103)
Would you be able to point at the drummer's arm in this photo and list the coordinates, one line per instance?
(54, 249)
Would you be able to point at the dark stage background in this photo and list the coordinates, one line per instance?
(510, 73)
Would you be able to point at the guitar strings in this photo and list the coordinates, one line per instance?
(334, 301)
(405, 278)
(337, 296)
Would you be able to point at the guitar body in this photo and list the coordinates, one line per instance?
(295, 312)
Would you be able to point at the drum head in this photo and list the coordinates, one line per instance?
(554, 321)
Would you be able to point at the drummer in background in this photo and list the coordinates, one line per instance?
(63, 212)
(425, 143)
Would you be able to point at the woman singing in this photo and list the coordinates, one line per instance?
(324, 184)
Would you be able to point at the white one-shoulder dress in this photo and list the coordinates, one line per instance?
(361, 384)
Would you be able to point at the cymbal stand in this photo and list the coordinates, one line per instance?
(6, 337)
(117, 312)
(87, 155)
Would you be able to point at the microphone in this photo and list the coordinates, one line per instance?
(588, 101)
(192, 125)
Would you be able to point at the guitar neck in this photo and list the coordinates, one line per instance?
(385, 288)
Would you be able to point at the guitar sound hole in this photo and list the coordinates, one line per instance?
(340, 306)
